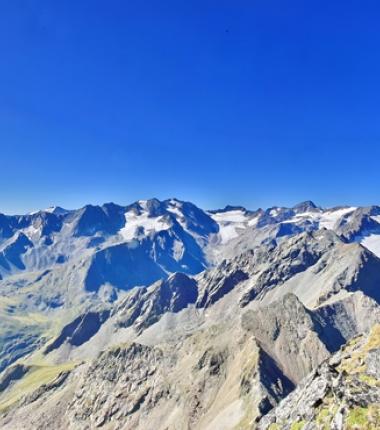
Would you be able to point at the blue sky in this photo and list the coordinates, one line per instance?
(242, 102)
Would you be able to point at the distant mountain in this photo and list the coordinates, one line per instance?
(170, 236)
(162, 315)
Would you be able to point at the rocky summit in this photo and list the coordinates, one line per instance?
(161, 315)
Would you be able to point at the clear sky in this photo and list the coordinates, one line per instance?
(256, 102)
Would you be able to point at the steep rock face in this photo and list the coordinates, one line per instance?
(315, 267)
(307, 206)
(289, 332)
(360, 222)
(107, 219)
(342, 393)
(275, 384)
(144, 306)
(46, 223)
(195, 220)
(287, 259)
(123, 266)
(16, 344)
(275, 215)
(358, 273)
(290, 229)
(267, 267)
(13, 373)
(218, 282)
(80, 330)
(142, 263)
(348, 317)
(6, 230)
(11, 252)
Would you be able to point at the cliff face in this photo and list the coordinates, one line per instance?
(342, 393)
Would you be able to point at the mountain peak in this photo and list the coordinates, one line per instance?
(305, 206)
(57, 210)
(229, 208)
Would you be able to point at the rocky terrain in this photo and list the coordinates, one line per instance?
(343, 392)
(162, 315)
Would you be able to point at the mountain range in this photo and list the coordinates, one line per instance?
(162, 315)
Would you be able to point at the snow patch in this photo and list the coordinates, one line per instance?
(372, 242)
(32, 232)
(175, 209)
(143, 204)
(325, 219)
(230, 216)
(230, 224)
(274, 212)
(329, 218)
(135, 225)
(57, 210)
(304, 216)
(178, 250)
(253, 221)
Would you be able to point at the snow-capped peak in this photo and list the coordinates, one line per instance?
(142, 224)
(56, 210)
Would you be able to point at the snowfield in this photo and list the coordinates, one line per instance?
(136, 225)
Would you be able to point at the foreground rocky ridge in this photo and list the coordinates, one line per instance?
(286, 288)
(342, 393)
(227, 375)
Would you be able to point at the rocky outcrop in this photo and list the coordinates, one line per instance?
(80, 330)
(140, 263)
(118, 384)
(145, 306)
(11, 252)
(290, 334)
(15, 345)
(220, 281)
(307, 206)
(342, 393)
(287, 259)
(89, 220)
(360, 222)
(345, 318)
(12, 374)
